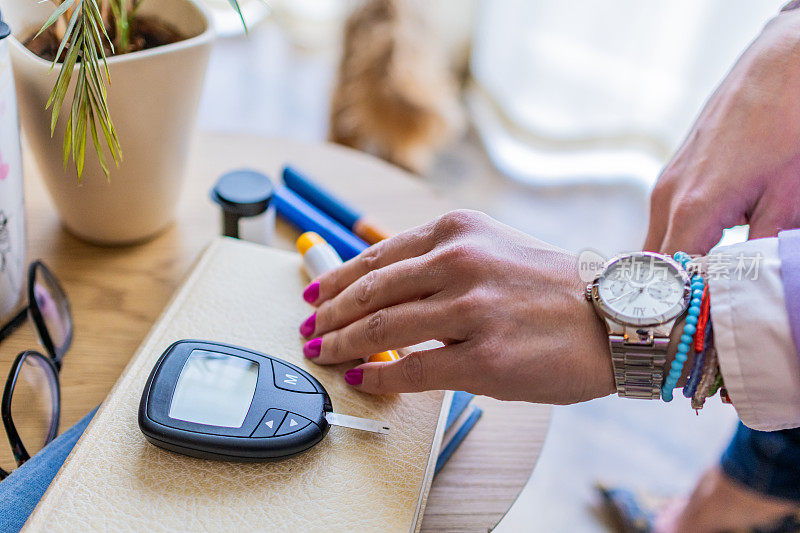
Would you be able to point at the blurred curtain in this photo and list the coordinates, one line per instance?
(585, 90)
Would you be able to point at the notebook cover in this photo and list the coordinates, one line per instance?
(248, 295)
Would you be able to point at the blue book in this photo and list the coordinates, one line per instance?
(459, 403)
(460, 421)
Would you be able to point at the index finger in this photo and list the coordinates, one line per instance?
(411, 243)
(445, 368)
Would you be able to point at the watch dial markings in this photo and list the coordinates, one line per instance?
(641, 288)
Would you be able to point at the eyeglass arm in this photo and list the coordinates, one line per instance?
(12, 325)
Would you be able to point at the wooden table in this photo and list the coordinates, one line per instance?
(118, 293)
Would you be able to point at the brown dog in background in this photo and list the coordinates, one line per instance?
(395, 96)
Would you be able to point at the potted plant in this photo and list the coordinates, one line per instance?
(108, 96)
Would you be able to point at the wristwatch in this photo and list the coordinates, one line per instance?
(640, 296)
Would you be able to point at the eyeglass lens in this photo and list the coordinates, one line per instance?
(54, 308)
(32, 407)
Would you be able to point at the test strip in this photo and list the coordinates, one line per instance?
(353, 422)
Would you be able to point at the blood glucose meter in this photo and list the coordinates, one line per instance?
(217, 401)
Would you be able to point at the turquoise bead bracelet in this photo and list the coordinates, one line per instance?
(689, 329)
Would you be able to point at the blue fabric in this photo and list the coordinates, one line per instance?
(766, 462)
(22, 490)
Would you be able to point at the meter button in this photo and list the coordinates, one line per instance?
(292, 423)
(289, 379)
(269, 424)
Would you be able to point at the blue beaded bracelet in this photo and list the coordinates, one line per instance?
(697, 368)
(689, 329)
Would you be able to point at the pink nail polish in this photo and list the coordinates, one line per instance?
(311, 294)
(312, 348)
(308, 326)
(354, 376)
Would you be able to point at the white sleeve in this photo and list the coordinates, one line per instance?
(752, 335)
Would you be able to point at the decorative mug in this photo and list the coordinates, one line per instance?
(12, 217)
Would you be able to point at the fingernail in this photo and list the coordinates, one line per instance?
(311, 293)
(354, 376)
(308, 327)
(312, 348)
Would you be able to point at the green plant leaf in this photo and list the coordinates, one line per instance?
(80, 136)
(105, 124)
(73, 116)
(55, 15)
(97, 146)
(67, 143)
(97, 37)
(235, 5)
(97, 17)
(83, 46)
(63, 44)
(62, 83)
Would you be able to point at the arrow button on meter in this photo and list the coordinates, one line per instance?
(269, 424)
(292, 423)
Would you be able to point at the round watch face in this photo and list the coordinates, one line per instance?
(642, 289)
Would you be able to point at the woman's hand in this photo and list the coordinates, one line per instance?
(740, 162)
(509, 309)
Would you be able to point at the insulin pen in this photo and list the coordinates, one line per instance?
(320, 257)
(332, 206)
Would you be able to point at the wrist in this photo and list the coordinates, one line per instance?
(604, 377)
(640, 314)
(599, 378)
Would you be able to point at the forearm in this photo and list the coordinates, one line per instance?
(740, 161)
(731, 133)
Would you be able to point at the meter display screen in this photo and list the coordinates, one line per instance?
(214, 389)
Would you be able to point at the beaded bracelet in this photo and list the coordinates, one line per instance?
(689, 329)
(703, 321)
(711, 379)
(701, 343)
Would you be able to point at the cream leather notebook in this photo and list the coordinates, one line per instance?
(246, 295)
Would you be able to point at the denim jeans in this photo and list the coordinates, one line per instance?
(766, 462)
(22, 490)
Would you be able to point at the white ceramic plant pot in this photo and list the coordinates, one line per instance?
(153, 100)
(12, 215)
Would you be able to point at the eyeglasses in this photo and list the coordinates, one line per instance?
(31, 404)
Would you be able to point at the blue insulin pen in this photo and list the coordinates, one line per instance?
(320, 257)
(306, 217)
